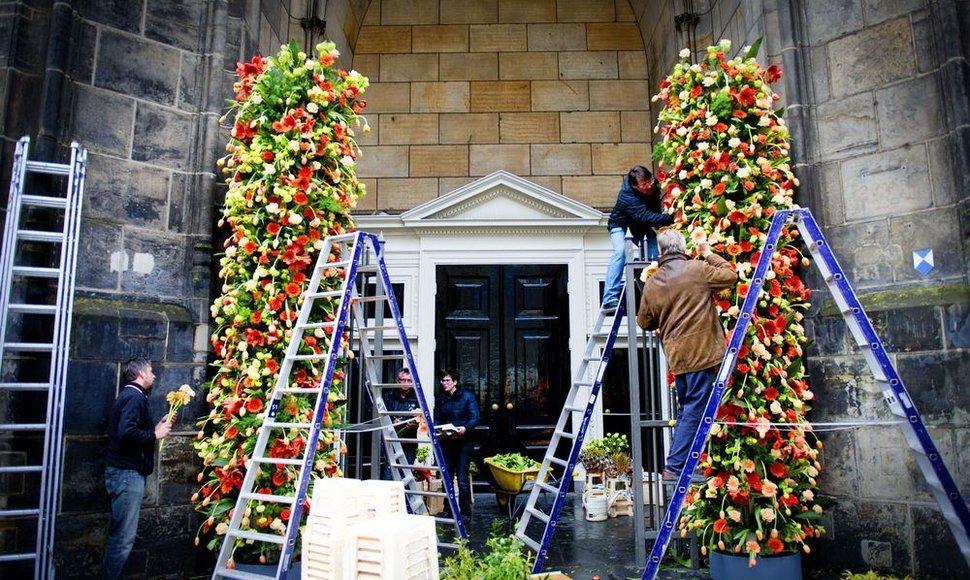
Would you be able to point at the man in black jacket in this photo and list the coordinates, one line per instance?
(402, 400)
(637, 209)
(458, 406)
(129, 458)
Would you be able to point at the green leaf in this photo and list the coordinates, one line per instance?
(780, 112)
(809, 515)
(753, 51)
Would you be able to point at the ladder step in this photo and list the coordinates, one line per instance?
(320, 356)
(223, 572)
(405, 440)
(279, 425)
(370, 298)
(300, 390)
(34, 272)
(565, 434)
(327, 294)
(39, 236)
(316, 325)
(533, 545)
(33, 308)
(258, 536)
(398, 413)
(425, 493)
(10, 514)
(546, 487)
(287, 499)
(22, 469)
(375, 328)
(44, 201)
(583, 383)
(443, 521)
(23, 427)
(575, 409)
(17, 557)
(544, 518)
(558, 461)
(385, 385)
(29, 346)
(446, 545)
(337, 264)
(24, 386)
(48, 168)
(387, 357)
(413, 466)
(367, 268)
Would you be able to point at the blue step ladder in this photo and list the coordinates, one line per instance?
(927, 456)
(582, 397)
(359, 254)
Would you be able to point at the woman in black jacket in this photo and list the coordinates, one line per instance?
(458, 406)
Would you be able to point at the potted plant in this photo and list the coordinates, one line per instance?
(726, 171)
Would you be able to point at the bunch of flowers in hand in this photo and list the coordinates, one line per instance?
(291, 174)
(726, 171)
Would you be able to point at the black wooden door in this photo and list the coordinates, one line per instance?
(506, 329)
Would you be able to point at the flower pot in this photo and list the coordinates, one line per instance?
(735, 567)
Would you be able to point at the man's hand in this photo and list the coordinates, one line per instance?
(704, 249)
(461, 430)
(162, 429)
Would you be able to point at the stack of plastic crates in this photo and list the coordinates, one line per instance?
(377, 497)
(334, 509)
(392, 547)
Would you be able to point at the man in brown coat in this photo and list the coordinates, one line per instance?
(677, 302)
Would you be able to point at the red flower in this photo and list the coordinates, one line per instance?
(773, 73)
(747, 96)
(292, 290)
(254, 404)
(279, 478)
(774, 544)
(273, 228)
(231, 432)
(285, 515)
(272, 366)
(737, 217)
(743, 368)
(719, 188)
(721, 526)
(267, 156)
(778, 470)
(754, 481)
(300, 198)
(771, 393)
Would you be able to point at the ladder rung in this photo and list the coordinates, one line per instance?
(399, 413)
(575, 409)
(32, 271)
(276, 461)
(22, 469)
(43, 201)
(33, 308)
(425, 493)
(17, 557)
(534, 545)
(24, 386)
(367, 268)
(405, 440)
(538, 514)
(385, 385)
(387, 357)
(320, 356)
(39, 236)
(288, 499)
(279, 425)
(315, 325)
(327, 294)
(9, 514)
(29, 346)
(565, 434)
(583, 383)
(446, 545)
(592, 358)
(258, 536)
(300, 390)
(375, 328)
(223, 572)
(558, 461)
(443, 521)
(545, 486)
(337, 264)
(48, 168)
(370, 298)
(412, 466)
(23, 427)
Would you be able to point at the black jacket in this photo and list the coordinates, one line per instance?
(460, 409)
(640, 213)
(131, 435)
(397, 402)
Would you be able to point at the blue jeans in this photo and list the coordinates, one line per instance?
(457, 458)
(693, 389)
(126, 488)
(614, 269)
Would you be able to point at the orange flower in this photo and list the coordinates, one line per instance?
(254, 405)
(776, 545)
(721, 526)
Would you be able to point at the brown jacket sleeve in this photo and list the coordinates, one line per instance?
(645, 318)
(719, 273)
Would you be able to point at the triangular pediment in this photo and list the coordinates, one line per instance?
(501, 198)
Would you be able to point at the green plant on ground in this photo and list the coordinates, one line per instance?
(505, 558)
(870, 575)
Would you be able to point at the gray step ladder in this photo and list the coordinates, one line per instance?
(537, 526)
(358, 254)
(927, 456)
(37, 269)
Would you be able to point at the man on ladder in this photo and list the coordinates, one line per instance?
(677, 302)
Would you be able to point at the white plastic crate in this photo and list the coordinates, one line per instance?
(392, 547)
(381, 497)
(334, 508)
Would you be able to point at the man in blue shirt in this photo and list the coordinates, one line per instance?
(129, 458)
(458, 406)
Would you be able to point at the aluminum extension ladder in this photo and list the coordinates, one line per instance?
(927, 456)
(37, 267)
(581, 399)
(355, 251)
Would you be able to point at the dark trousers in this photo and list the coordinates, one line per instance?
(457, 457)
(410, 452)
(693, 389)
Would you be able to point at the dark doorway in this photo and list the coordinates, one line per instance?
(506, 329)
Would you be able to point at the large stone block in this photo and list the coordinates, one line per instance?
(120, 14)
(99, 255)
(403, 194)
(137, 67)
(583, 127)
(439, 161)
(83, 53)
(587, 10)
(468, 11)
(91, 388)
(160, 137)
(448, 184)
(624, 95)
(826, 335)
(178, 467)
(839, 476)
(176, 23)
(941, 171)
(909, 329)
(82, 488)
(529, 127)
(872, 58)
(380, 39)
(409, 129)
(865, 252)
(79, 541)
(551, 182)
(588, 65)
(846, 388)
(560, 95)
(902, 173)
(497, 38)
(484, 159)
(877, 11)
(474, 66)
(468, 128)
(614, 158)
(831, 19)
(409, 12)
(528, 66)
(383, 161)
(489, 96)
(99, 131)
(859, 520)
(388, 98)
(956, 323)
(560, 159)
(847, 126)
(368, 65)
(632, 64)
(595, 191)
(937, 230)
(439, 38)
(887, 470)
(935, 382)
(439, 97)
(910, 112)
(613, 36)
(635, 126)
(120, 190)
(557, 37)
(830, 196)
(935, 550)
(409, 67)
(157, 263)
(516, 11)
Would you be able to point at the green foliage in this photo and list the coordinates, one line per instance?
(870, 575)
(505, 558)
(600, 454)
(514, 462)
